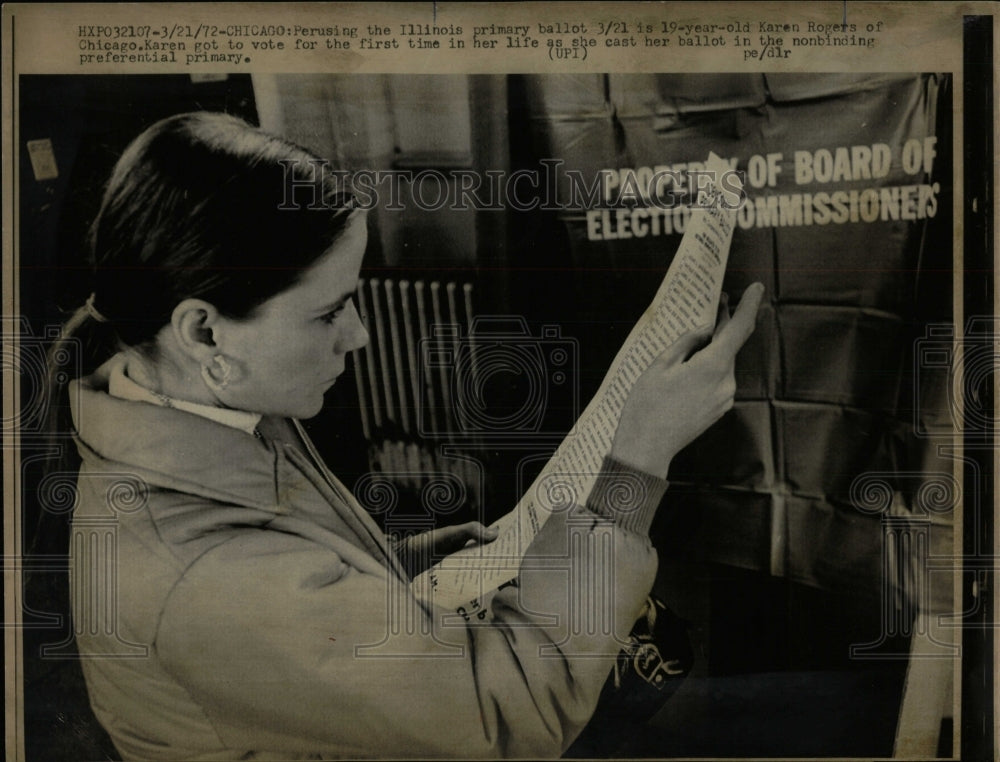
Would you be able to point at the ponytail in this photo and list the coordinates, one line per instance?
(49, 491)
(85, 341)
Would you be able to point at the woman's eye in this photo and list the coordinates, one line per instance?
(332, 315)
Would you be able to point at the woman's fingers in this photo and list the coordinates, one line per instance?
(460, 535)
(673, 402)
(737, 329)
(482, 533)
(686, 345)
(723, 316)
(480, 537)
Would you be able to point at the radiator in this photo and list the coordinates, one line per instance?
(405, 387)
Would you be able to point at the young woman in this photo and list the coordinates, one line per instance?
(246, 607)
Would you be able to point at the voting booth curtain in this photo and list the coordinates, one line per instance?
(833, 443)
(831, 474)
(847, 223)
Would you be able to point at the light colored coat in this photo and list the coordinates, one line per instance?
(231, 601)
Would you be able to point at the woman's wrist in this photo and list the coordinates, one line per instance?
(627, 495)
(649, 460)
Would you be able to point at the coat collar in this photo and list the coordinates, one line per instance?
(182, 451)
(123, 387)
(174, 448)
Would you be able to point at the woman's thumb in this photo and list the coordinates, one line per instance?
(689, 343)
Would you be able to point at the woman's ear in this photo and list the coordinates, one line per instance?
(193, 322)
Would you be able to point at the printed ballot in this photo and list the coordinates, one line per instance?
(687, 299)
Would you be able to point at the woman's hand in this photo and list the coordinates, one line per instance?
(676, 399)
(417, 551)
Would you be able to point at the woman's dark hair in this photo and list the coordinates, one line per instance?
(200, 205)
(204, 205)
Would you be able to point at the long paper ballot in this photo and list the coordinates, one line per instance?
(687, 299)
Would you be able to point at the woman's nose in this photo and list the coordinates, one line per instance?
(355, 334)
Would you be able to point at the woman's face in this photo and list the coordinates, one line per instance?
(293, 349)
